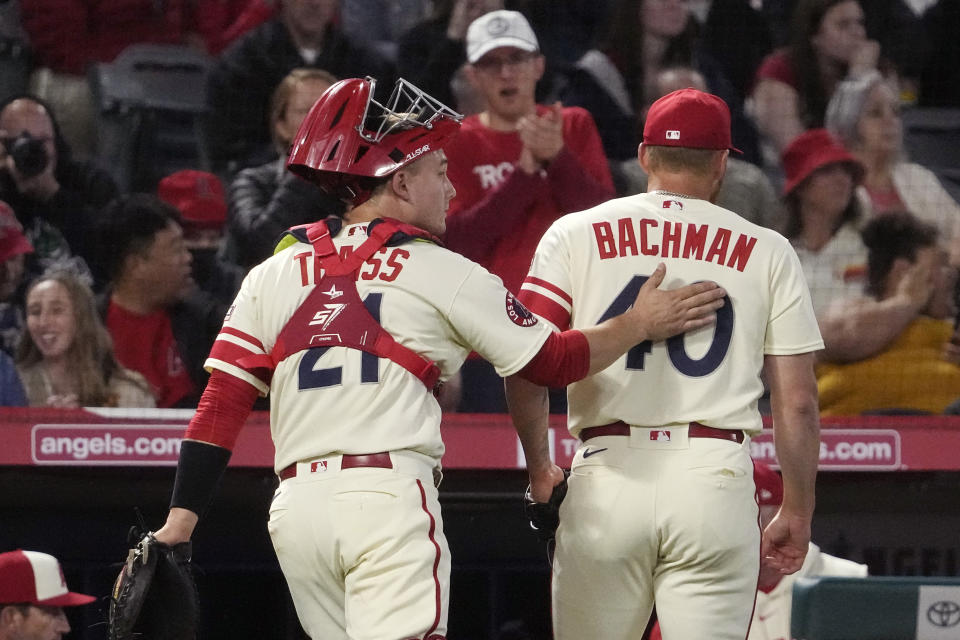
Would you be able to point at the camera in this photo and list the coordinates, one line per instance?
(29, 154)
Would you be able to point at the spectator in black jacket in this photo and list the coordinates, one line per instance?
(431, 54)
(303, 34)
(267, 200)
(56, 198)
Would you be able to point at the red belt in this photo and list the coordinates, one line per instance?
(695, 430)
(348, 461)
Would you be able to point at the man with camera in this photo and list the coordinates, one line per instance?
(55, 197)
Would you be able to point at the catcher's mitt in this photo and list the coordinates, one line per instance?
(544, 517)
(154, 597)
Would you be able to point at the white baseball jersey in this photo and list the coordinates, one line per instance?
(601, 257)
(342, 400)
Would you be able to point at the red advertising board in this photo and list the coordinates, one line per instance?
(474, 441)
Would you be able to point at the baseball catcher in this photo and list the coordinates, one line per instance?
(154, 597)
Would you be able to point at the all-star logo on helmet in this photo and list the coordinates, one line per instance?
(419, 152)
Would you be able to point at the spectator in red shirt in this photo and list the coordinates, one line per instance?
(162, 327)
(517, 166)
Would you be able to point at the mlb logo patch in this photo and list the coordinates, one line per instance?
(660, 435)
(318, 465)
(673, 204)
(673, 134)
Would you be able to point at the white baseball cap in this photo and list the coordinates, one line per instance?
(31, 577)
(499, 29)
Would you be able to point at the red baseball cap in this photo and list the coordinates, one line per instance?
(811, 150)
(689, 118)
(32, 577)
(198, 195)
(12, 240)
(769, 485)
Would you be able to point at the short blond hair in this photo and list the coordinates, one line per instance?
(696, 161)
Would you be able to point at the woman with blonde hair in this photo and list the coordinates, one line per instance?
(65, 357)
(267, 200)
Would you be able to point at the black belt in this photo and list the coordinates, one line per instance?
(694, 430)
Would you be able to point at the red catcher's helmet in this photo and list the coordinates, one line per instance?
(348, 139)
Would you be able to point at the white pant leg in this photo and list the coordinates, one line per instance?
(305, 554)
(706, 580)
(606, 546)
(676, 525)
(364, 554)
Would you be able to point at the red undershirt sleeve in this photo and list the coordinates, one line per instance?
(222, 411)
(563, 358)
(205, 450)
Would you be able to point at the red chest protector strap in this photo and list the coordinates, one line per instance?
(333, 315)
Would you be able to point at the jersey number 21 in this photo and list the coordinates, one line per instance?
(309, 378)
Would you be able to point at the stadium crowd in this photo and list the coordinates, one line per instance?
(114, 279)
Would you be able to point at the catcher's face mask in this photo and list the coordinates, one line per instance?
(349, 137)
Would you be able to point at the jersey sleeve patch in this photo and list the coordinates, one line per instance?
(518, 313)
(547, 301)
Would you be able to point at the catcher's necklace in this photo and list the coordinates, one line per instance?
(675, 194)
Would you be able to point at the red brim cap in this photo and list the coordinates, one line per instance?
(36, 578)
(69, 599)
(689, 118)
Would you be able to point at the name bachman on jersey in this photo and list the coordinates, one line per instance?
(666, 239)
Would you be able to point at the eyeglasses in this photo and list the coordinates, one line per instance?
(491, 64)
